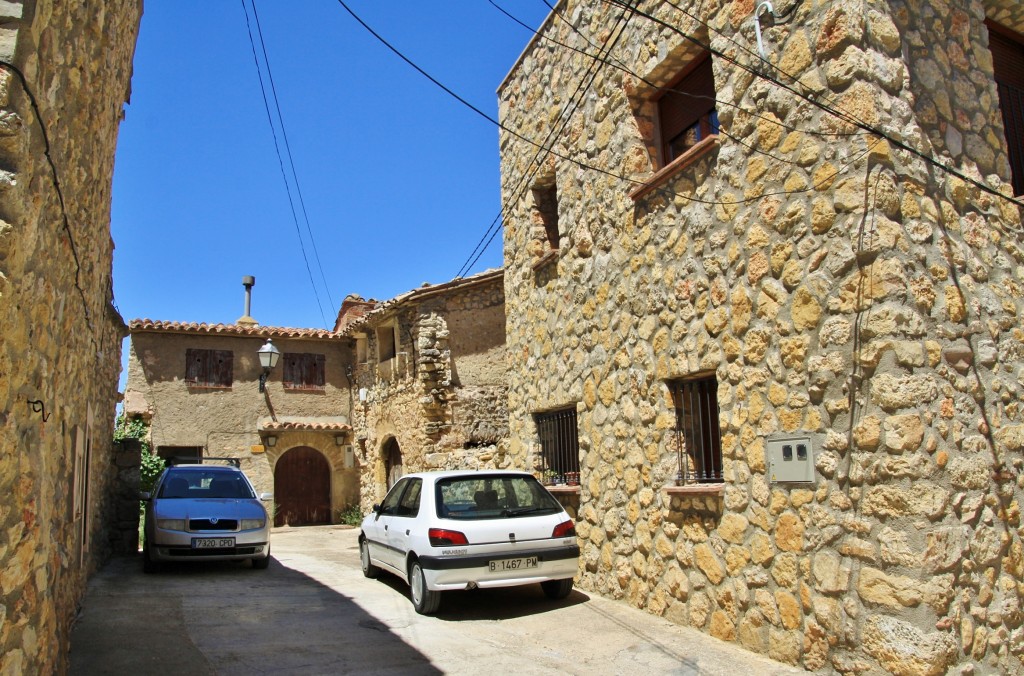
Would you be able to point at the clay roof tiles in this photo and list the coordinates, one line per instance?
(150, 325)
(308, 425)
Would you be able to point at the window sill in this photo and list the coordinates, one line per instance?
(696, 489)
(196, 386)
(562, 488)
(682, 162)
(549, 257)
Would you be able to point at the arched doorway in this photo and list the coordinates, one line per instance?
(302, 488)
(392, 461)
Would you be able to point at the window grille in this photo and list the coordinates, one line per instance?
(559, 443)
(697, 435)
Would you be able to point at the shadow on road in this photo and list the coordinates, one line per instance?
(503, 603)
(226, 618)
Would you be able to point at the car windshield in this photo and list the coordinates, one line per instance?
(493, 496)
(205, 484)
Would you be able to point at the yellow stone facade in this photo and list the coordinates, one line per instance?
(836, 278)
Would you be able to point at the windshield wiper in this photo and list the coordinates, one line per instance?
(520, 511)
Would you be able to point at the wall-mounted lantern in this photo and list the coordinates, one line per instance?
(268, 360)
(271, 440)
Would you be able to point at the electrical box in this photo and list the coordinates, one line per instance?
(790, 460)
(350, 458)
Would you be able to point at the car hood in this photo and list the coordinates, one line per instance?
(222, 508)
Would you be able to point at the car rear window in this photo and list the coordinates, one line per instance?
(205, 484)
(493, 496)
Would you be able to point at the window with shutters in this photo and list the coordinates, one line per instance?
(209, 368)
(675, 108)
(304, 371)
(1008, 63)
(686, 111)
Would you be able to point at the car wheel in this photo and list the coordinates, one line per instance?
(557, 589)
(369, 570)
(148, 564)
(261, 564)
(424, 600)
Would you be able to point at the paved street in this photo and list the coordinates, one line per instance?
(312, 612)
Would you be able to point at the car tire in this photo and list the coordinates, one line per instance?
(148, 564)
(369, 570)
(424, 600)
(557, 589)
(263, 563)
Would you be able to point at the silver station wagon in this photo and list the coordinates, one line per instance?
(442, 531)
(205, 513)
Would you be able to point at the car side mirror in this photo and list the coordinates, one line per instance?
(266, 496)
(145, 495)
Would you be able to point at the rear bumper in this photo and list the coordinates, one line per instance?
(460, 572)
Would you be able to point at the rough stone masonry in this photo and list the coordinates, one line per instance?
(819, 261)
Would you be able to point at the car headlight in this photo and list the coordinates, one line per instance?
(250, 524)
(171, 524)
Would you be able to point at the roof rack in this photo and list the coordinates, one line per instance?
(192, 460)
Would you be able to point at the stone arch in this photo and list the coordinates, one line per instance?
(302, 487)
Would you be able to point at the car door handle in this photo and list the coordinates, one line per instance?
(385, 527)
(406, 531)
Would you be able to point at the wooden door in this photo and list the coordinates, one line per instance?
(302, 488)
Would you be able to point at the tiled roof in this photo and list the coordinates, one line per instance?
(150, 325)
(304, 426)
(425, 290)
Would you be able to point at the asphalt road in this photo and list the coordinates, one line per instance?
(313, 612)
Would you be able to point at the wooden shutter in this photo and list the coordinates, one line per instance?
(1008, 64)
(687, 101)
(209, 368)
(303, 371)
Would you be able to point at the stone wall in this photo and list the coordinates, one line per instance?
(61, 339)
(837, 284)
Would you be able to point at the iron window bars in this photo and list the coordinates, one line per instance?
(697, 434)
(559, 443)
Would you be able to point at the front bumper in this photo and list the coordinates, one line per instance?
(168, 545)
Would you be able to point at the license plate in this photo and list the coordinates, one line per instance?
(213, 543)
(512, 564)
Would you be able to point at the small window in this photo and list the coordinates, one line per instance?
(1008, 64)
(209, 368)
(361, 349)
(559, 443)
(686, 111)
(697, 436)
(386, 343)
(304, 371)
(545, 200)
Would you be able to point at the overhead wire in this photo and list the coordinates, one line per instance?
(280, 160)
(291, 161)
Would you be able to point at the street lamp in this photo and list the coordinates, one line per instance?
(268, 360)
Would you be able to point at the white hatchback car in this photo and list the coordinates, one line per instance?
(466, 529)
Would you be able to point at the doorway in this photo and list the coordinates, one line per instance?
(302, 488)
(392, 461)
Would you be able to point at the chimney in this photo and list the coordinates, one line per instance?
(245, 320)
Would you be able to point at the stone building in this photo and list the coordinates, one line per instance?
(430, 378)
(198, 387)
(763, 280)
(65, 72)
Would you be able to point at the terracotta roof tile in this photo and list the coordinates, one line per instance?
(150, 325)
(307, 426)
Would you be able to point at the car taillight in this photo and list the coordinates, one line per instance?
(440, 537)
(564, 530)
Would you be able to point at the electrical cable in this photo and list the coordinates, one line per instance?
(58, 188)
(291, 161)
(280, 162)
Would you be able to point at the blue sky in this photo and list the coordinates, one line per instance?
(398, 179)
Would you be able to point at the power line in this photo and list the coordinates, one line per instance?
(280, 160)
(291, 161)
